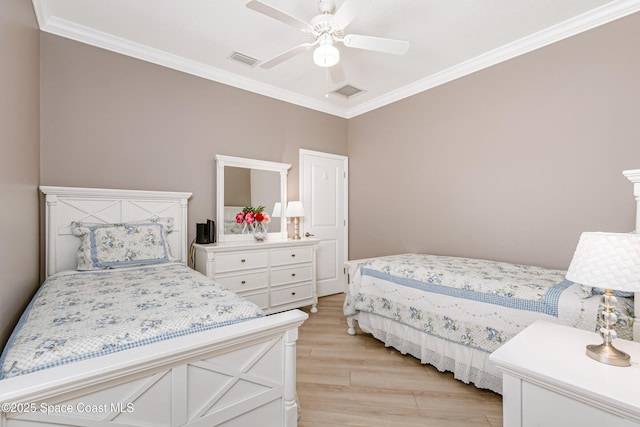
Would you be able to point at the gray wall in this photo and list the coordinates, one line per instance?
(510, 163)
(19, 160)
(112, 121)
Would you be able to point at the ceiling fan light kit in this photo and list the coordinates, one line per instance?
(326, 29)
(326, 55)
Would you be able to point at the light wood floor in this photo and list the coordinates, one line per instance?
(346, 380)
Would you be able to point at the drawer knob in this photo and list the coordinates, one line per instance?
(243, 282)
(293, 255)
(243, 260)
(293, 293)
(293, 274)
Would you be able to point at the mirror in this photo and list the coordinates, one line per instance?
(247, 182)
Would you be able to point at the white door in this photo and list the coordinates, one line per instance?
(323, 191)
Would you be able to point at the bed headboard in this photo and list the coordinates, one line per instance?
(97, 205)
(634, 176)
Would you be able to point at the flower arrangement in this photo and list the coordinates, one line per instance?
(249, 215)
(255, 220)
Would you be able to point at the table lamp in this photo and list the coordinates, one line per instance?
(610, 261)
(295, 210)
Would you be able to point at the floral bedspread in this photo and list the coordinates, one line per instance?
(476, 303)
(80, 315)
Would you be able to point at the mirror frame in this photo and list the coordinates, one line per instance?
(241, 162)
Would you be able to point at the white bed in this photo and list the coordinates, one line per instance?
(236, 375)
(455, 328)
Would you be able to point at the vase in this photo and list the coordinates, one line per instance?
(259, 230)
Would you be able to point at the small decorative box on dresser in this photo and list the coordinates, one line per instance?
(549, 381)
(276, 275)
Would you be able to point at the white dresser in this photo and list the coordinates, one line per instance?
(276, 275)
(549, 381)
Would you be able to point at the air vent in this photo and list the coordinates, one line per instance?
(348, 91)
(245, 59)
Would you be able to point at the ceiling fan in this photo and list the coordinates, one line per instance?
(325, 30)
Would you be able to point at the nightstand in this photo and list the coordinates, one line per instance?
(549, 381)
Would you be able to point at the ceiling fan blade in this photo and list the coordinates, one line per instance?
(348, 11)
(287, 55)
(378, 44)
(281, 16)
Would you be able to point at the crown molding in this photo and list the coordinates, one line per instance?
(589, 20)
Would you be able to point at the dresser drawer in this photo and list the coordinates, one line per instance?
(291, 294)
(245, 281)
(261, 299)
(293, 274)
(291, 255)
(234, 261)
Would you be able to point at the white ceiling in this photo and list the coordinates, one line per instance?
(448, 39)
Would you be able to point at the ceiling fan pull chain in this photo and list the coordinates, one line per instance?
(326, 92)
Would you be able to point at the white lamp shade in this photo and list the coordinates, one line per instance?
(277, 210)
(295, 209)
(607, 260)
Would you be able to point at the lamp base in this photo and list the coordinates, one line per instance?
(296, 228)
(608, 354)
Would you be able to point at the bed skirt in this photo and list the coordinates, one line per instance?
(468, 365)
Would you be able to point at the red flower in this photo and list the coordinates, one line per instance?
(250, 215)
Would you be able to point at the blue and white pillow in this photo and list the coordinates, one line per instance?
(106, 246)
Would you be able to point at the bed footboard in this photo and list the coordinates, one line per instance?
(238, 375)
